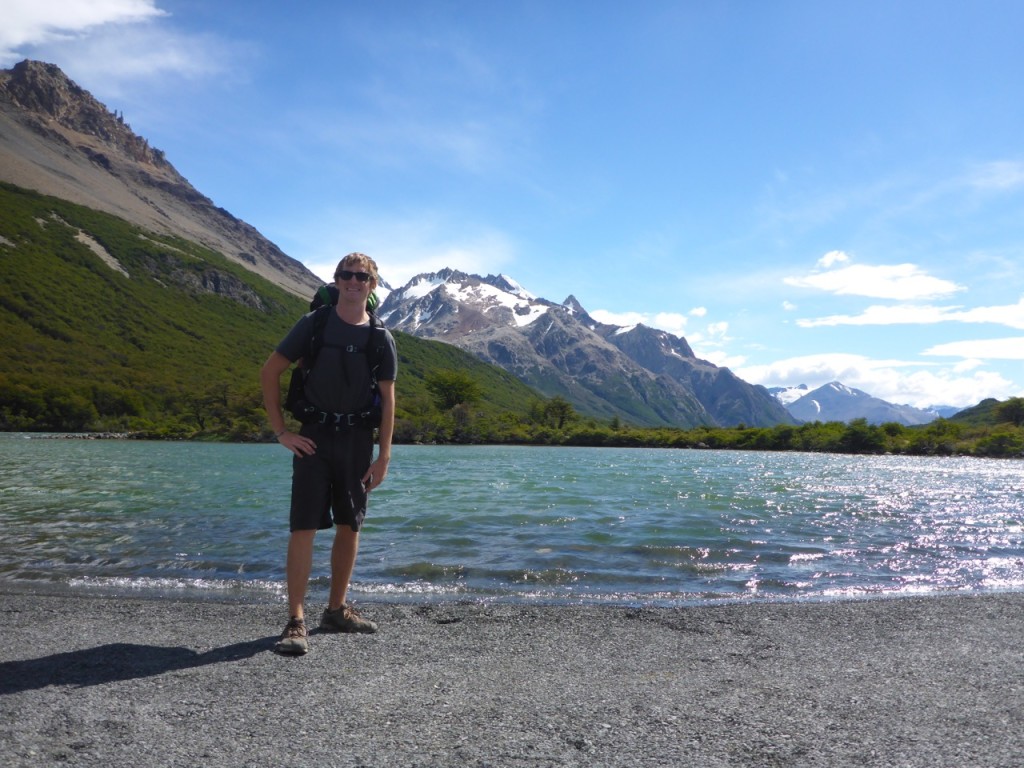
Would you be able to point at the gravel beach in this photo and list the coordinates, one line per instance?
(931, 681)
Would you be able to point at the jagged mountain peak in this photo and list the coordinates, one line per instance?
(44, 90)
(504, 282)
(574, 308)
(573, 305)
(640, 374)
(450, 300)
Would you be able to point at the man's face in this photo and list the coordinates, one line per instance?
(354, 282)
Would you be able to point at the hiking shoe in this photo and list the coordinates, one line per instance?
(293, 640)
(345, 619)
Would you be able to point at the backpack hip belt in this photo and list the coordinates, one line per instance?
(367, 419)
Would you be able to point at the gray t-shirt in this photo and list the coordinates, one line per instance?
(340, 380)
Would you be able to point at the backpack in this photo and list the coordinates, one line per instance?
(321, 305)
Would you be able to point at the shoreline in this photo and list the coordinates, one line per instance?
(246, 595)
(912, 681)
(266, 438)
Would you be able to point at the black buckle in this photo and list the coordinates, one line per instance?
(338, 419)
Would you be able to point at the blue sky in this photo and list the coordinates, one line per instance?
(807, 191)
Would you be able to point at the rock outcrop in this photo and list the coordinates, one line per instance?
(57, 139)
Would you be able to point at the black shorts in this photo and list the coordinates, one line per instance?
(331, 479)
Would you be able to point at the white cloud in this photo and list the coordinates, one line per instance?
(718, 330)
(981, 349)
(31, 22)
(903, 282)
(883, 315)
(117, 55)
(831, 258)
(698, 312)
(106, 45)
(967, 365)
(672, 322)
(1010, 315)
(895, 381)
(710, 343)
(720, 358)
(813, 370)
(622, 319)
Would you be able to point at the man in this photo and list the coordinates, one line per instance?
(333, 469)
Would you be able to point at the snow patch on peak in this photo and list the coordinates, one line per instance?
(843, 389)
(532, 313)
(421, 286)
(513, 287)
(488, 296)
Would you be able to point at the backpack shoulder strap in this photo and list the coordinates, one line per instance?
(316, 338)
(375, 345)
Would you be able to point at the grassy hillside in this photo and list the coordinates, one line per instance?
(110, 328)
(107, 327)
(980, 415)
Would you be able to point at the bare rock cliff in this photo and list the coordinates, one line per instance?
(57, 139)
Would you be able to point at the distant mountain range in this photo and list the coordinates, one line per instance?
(640, 375)
(837, 402)
(643, 375)
(57, 139)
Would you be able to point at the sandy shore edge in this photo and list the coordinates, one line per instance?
(929, 681)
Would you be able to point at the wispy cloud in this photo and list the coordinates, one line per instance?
(984, 349)
(110, 44)
(1000, 175)
(902, 282)
(1010, 315)
(434, 98)
(28, 23)
(400, 140)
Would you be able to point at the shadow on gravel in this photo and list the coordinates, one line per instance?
(114, 662)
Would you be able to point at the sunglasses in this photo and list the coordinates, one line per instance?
(345, 274)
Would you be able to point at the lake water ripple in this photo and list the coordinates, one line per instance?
(497, 523)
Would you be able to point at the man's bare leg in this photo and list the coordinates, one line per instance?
(343, 562)
(298, 567)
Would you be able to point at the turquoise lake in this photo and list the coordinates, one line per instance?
(523, 524)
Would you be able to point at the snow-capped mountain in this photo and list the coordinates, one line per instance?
(837, 402)
(641, 375)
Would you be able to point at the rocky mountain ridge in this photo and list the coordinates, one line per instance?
(57, 139)
(640, 375)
